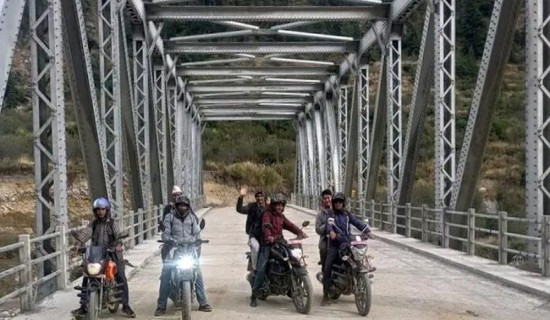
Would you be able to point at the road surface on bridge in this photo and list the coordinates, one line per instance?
(406, 286)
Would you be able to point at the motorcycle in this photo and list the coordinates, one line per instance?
(185, 257)
(99, 270)
(286, 274)
(350, 274)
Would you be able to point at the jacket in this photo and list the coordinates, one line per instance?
(181, 228)
(254, 217)
(273, 225)
(102, 232)
(321, 226)
(343, 219)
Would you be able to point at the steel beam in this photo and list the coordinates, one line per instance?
(538, 113)
(352, 137)
(83, 93)
(260, 47)
(249, 118)
(171, 103)
(378, 130)
(269, 14)
(111, 120)
(254, 88)
(394, 119)
(141, 111)
(311, 157)
(420, 102)
(11, 13)
(255, 72)
(334, 149)
(445, 167)
(159, 98)
(342, 131)
(48, 104)
(251, 101)
(321, 153)
(363, 134)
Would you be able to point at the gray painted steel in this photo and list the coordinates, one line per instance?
(260, 47)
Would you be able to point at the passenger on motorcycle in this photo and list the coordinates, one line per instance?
(103, 231)
(180, 226)
(253, 227)
(321, 223)
(339, 233)
(273, 223)
(169, 208)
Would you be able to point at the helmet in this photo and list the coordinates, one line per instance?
(339, 197)
(101, 203)
(176, 189)
(181, 199)
(278, 198)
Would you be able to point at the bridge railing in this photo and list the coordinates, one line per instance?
(21, 279)
(494, 236)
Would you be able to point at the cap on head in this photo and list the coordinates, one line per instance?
(176, 190)
(181, 199)
(339, 197)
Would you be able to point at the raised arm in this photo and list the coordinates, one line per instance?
(288, 225)
(362, 226)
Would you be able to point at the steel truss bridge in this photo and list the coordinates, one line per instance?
(155, 95)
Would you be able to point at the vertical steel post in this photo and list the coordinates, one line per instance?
(363, 133)
(159, 100)
(343, 130)
(394, 119)
(321, 150)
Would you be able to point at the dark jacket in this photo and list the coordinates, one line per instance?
(343, 219)
(273, 225)
(102, 232)
(254, 217)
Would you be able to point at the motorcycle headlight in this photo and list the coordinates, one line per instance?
(186, 262)
(296, 253)
(359, 254)
(94, 269)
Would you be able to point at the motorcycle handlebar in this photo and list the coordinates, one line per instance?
(199, 241)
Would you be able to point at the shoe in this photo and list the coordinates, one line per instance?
(159, 312)
(253, 302)
(79, 312)
(128, 311)
(326, 301)
(205, 308)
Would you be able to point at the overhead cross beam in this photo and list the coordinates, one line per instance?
(244, 101)
(264, 13)
(260, 47)
(255, 72)
(254, 88)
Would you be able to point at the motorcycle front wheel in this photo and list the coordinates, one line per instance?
(302, 295)
(113, 307)
(93, 306)
(186, 300)
(363, 294)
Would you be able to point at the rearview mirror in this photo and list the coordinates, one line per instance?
(202, 224)
(305, 223)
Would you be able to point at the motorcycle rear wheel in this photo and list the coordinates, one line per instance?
(93, 306)
(186, 300)
(303, 296)
(363, 294)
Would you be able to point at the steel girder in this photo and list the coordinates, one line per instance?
(50, 159)
(111, 120)
(83, 93)
(271, 14)
(141, 111)
(11, 13)
(312, 161)
(304, 157)
(248, 101)
(256, 72)
(363, 135)
(320, 143)
(538, 115)
(159, 103)
(352, 137)
(445, 81)
(171, 104)
(260, 47)
(261, 32)
(254, 88)
(250, 118)
(394, 118)
(342, 110)
(332, 135)
(423, 85)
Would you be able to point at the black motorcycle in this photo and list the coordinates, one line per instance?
(185, 257)
(286, 274)
(350, 274)
(101, 290)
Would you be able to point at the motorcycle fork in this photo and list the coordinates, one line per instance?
(101, 295)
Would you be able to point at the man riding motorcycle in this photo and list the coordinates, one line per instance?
(103, 231)
(339, 233)
(321, 224)
(273, 223)
(180, 226)
(253, 229)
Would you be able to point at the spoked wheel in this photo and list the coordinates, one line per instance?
(302, 295)
(93, 306)
(113, 294)
(186, 300)
(363, 294)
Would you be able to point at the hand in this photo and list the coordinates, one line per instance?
(268, 201)
(330, 221)
(332, 235)
(304, 235)
(244, 191)
(270, 239)
(371, 236)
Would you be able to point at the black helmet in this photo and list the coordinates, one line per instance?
(339, 197)
(181, 199)
(278, 198)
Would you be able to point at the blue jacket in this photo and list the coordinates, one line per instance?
(343, 220)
